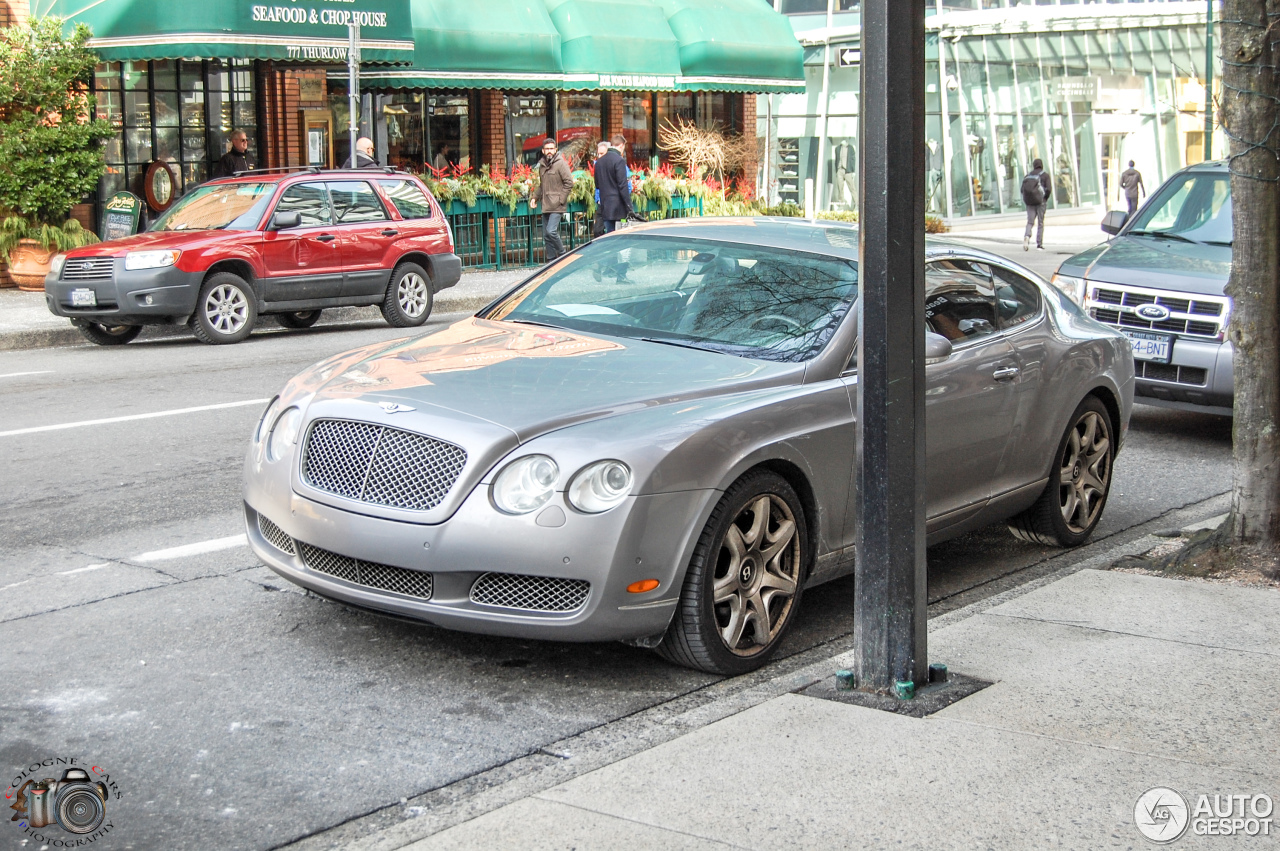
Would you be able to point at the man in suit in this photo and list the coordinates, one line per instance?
(614, 185)
(236, 159)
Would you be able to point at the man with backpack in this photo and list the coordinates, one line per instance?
(1035, 195)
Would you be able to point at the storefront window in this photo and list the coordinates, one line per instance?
(637, 117)
(449, 129)
(527, 127)
(578, 123)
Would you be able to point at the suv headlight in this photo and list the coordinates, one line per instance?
(56, 262)
(1074, 287)
(525, 484)
(135, 260)
(284, 434)
(600, 486)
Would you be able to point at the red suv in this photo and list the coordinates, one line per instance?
(287, 244)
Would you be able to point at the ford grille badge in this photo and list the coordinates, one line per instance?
(1154, 312)
(394, 407)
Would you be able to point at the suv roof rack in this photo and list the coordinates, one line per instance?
(284, 168)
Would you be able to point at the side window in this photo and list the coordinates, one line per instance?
(959, 300)
(1017, 298)
(407, 197)
(311, 200)
(355, 201)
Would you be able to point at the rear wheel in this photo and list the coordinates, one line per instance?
(408, 300)
(299, 319)
(109, 335)
(225, 311)
(1079, 482)
(744, 582)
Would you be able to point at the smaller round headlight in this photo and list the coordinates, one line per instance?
(525, 484)
(600, 486)
(268, 417)
(283, 434)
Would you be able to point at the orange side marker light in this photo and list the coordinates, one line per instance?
(642, 586)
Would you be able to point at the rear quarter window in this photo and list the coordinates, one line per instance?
(407, 197)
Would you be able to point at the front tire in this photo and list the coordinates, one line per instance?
(109, 335)
(225, 311)
(299, 319)
(409, 298)
(1079, 482)
(745, 579)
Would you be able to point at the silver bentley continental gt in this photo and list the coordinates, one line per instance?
(652, 440)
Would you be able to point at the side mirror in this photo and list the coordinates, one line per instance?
(937, 348)
(1112, 222)
(284, 221)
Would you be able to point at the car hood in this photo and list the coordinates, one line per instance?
(531, 379)
(1164, 264)
(157, 241)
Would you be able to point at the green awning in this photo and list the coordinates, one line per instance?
(306, 31)
(634, 45)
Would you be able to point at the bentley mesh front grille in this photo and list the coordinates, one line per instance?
(380, 465)
(530, 593)
(384, 577)
(276, 536)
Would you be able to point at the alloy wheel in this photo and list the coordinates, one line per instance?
(412, 295)
(226, 308)
(756, 575)
(1085, 472)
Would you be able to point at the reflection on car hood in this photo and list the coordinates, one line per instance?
(532, 379)
(182, 240)
(1164, 264)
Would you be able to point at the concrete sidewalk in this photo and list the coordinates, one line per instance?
(1104, 685)
(26, 323)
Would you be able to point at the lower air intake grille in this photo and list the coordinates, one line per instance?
(530, 593)
(275, 536)
(384, 577)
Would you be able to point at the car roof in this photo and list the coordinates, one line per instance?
(278, 175)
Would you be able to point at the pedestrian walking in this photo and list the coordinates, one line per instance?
(597, 227)
(236, 159)
(1035, 196)
(1131, 183)
(364, 154)
(555, 181)
(614, 185)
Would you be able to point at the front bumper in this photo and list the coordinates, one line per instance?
(1198, 377)
(122, 298)
(645, 537)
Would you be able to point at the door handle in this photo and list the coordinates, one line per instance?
(1005, 373)
(390, 232)
(325, 237)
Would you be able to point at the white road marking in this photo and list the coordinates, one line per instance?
(37, 372)
(84, 569)
(14, 585)
(194, 549)
(108, 420)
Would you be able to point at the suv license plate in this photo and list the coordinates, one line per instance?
(84, 298)
(1152, 347)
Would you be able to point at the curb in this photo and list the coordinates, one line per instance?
(67, 334)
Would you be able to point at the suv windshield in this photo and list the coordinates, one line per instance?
(227, 206)
(738, 299)
(1194, 207)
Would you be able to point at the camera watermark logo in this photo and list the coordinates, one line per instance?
(1161, 814)
(62, 795)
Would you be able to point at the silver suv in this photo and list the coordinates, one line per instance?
(1160, 280)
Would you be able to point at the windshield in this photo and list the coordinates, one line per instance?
(726, 297)
(228, 206)
(1195, 206)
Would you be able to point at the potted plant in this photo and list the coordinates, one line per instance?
(50, 143)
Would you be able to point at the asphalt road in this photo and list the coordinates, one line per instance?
(232, 710)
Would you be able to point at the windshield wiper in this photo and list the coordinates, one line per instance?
(1161, 234)
(531, 322)
(667, 341)
(1226, 244)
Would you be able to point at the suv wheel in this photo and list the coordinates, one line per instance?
(225, 311)
(299, 319)
(109, 335)
(408, 300)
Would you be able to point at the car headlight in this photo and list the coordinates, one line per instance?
(1074, 287)
(56, 262)
(268, 416)
(525, 484)
(283, 434)
(600, 486)
(136, 260)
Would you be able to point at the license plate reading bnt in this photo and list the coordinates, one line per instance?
(1152, 348)
(84, 298)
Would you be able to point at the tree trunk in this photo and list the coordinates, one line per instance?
(1249, 116)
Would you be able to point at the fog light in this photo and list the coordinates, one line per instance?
(642, 586)
(151, 300)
